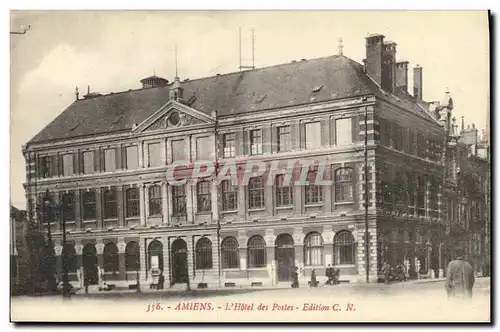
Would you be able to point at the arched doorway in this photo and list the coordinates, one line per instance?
(90, 264)
(179, 261)
(155, 255)
(285, 256)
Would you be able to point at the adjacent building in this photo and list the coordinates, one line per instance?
(105, 158)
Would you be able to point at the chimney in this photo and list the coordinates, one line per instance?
(417, 83)
(402, 75)
(389, 66)
(374, 48)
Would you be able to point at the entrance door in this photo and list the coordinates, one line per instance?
(285, 257)
(179, 261)
(89, 262)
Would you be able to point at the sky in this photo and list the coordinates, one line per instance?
(112, 50)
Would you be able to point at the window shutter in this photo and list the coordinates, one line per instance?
(60, 169)
(355, 127)
(273, 141)
(118, 157)
(38, 167)
(302, 135)
(75, 158)
(81, 161)
(96, 160)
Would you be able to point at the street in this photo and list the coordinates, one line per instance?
(403, 302)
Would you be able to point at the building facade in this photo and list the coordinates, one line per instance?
(105, 160)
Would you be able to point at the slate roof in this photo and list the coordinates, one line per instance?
(290, 84)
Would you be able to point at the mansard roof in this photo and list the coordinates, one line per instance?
(292, 84)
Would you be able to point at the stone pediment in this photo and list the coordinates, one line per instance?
(173, 115)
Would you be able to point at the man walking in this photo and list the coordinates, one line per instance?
(459, 278)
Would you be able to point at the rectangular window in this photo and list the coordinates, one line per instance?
(314, 193)
(155, 204)
(46, 167)
(284, 139)
(204, 198)
(68, 165)
(89, 205)
(132, 201)
(154, 154)
(229, 196)
(229, 145)
(179, 200)
(203, 148)
(109, 160)
(313, 135)
(110, 204)
(256, 142)
(284, 196)
(343, 129)
(132, 157)
(178, 150)
(88, 162)
(256, 193)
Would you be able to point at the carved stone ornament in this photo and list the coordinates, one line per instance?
(58, 249)
(79, 249)
(100, 248)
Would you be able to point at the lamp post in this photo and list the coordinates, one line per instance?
(47, 213)
(65, 290)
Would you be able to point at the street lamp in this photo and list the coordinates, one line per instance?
(65, 290)
(47, 214)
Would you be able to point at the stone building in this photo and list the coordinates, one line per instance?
(105, 159)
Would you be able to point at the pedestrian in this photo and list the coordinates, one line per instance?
(295, 277)
(161, 281)
(313, 282)
(459, 278)
(329, 274)
(386, 270)
(86, 284)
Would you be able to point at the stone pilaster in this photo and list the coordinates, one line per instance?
(166, 260)
(146, 201)
(142, 204)
(298, 240)
(164, 203)
(190, 257)
(121, 258)
(440, 203)
(327, 190)
(427, 198)
(99, 208)
(270, 254)
(78, 210)
(214, 193)
(242, 202)
(298, 199)
(190, 204)
(242, 247)
(120, 206)
(140, 151)
(328, 236)
(100, 249)
(79, 252)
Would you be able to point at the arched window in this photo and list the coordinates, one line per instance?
(132, 197)
(344, 248)
(256, 251)
(68, 203)
(110, 256)
(344, 185)
(69, 257)
(313, 192)
(203, 254)
(110, 208)
(256, 193)
(229, 253)
(284, 196)
(313, 249)
(155, 201)
(229, 196)
(132, 256)
(89, 205)
(204, 199)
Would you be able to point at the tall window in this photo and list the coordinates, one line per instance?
(132, 157)
(110, 207)
(68, 202)
(155, 201)
(229, 196)
(132, 256)
(154, 154)
(313, 249)
(110, 256)
(88, 162)
(228, 141)
(89, 206)
(203, 254)
(256, 251)
(284, 195)
(313, 192)
(204, 196)
(69, 257)
(313, 135)
(179, 200)
(256, 193)
(109, 160)
(132, 198)
(421, 196)
(343, 132)
(68, 164)
(178, 150)
(204, 148)
(256, 142)
(344, 248)
(229, 253)
(284, 139)
(344, 185)
(45, 169)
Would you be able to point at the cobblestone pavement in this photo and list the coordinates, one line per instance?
(403, 302)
